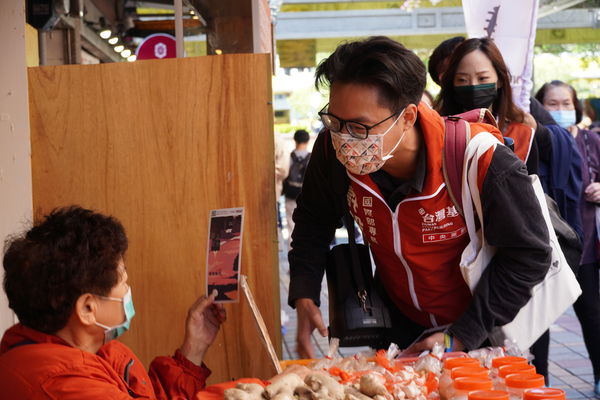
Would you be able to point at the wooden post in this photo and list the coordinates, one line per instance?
(236, 26)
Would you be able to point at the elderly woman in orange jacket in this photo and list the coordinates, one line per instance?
(67, 283)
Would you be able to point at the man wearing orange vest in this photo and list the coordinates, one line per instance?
(380, 158)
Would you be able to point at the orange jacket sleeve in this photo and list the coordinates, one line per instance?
(176, 377)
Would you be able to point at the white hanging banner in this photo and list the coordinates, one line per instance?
(511, 24)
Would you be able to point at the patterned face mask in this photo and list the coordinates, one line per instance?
(363, 156)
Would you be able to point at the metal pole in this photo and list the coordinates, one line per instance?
(179, 27)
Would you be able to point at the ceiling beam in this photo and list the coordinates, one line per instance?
(556, 6)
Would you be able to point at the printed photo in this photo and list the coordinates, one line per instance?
(223, 253)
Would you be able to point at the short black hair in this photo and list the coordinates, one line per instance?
(301, 136)
(71, 252)
(541, 93)
(440, 54)
(378, 61)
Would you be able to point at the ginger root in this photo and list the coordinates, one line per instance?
(285, 385)
(353, 394)
(324, 387)
(253, 389)
(373, 384)
(236, 394)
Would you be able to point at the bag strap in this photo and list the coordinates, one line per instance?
(356, 270)
(456, 138)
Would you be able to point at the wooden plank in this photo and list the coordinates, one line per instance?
(158, 144)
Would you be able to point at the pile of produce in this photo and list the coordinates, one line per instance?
(384, 375)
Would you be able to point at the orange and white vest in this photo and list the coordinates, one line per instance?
(523, 136)
(417, 246)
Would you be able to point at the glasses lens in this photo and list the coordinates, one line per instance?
(357, 130)
(331, 123)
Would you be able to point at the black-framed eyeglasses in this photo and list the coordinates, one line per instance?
(356, 129)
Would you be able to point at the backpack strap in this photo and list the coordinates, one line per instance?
(456, 137)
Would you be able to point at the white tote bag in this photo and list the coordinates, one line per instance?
(551, 297)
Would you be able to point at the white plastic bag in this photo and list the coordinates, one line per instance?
(551, 297)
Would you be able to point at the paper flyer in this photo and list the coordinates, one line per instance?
(223, 258)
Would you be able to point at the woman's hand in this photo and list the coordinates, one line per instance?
(201, 327)
(592, 192)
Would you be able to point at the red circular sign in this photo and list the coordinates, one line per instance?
(157, 46)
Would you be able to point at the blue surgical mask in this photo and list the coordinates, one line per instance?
(564, 118)
(113, 332)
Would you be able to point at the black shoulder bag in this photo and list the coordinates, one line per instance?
(357, 314)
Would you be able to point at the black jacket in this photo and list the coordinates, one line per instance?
(514, 224)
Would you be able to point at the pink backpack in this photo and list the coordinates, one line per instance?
(456, 138)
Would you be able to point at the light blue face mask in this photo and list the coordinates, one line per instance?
(564, 118)
(113, 332)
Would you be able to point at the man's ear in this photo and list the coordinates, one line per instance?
(410, 115)
(85, 309)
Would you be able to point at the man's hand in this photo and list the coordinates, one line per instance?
(309, 319)
(592, 192)
(429, 341)
(201, 327)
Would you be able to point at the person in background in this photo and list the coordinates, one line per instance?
(438, 61)
(281, 172)
(380, 158)
(477, 77)
(560, 99)
(66, 280)
(292, 185)
(554, 155)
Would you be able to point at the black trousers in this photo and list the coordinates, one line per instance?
(540, 353)
(587, 309)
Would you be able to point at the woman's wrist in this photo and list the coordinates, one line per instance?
(193, 353)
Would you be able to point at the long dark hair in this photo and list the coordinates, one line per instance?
(504, 107)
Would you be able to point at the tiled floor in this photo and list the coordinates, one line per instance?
(570, 368)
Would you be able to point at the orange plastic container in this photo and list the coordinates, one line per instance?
(524, 381)
(509, 369)
(488, 395)
(465, 385)
(471, 384)
(475, 372)
(518, 384)
(500, 361)
(451, 363)
(445, 385)
(545, 394)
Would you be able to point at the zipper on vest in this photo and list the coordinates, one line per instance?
(398, 251)
(397, 246)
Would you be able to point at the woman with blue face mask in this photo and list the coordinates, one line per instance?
(66, 281)
(560, 99)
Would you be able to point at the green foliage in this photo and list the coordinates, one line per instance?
(569, 68)
(586, 52)
(364, 5)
